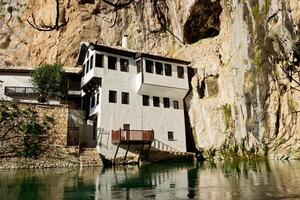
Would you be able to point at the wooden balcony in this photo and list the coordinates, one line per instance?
(132, 136)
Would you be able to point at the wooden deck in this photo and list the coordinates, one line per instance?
(132, 136)
(134, 140)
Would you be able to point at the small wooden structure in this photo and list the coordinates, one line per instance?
(134, 140)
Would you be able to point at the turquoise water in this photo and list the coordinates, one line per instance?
(225, 180)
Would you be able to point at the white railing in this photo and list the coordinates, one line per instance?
(163, 146)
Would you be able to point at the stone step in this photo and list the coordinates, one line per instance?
(90, 157)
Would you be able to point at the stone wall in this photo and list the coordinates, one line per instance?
(60, 115)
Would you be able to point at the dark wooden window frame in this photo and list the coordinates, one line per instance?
(168, 69)
(112, 62)
(99, 60)
(180, 72)
(149, 66)
(171, 136)
(159, 68)
(91, 62)
(138, 66)
(166, 102)
(125, 98)
(112, 96)
(176, 104)
(156, 102)
(146, 100)
(93, 100)
(123, 67)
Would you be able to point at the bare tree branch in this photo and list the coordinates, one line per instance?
(162, 20)
(115, 21)
(289, 76)
(43, 26)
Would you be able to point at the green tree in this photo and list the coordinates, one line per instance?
(50, 81)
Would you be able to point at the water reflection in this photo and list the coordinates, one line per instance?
(208, 180)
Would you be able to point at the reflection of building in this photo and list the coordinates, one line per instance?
(129, 95)
(135, 182)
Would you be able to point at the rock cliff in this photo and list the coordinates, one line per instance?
(241, 102)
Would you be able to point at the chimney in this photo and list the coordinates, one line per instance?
(125, 41)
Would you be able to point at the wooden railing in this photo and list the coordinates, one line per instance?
(103, 136)
(132, 135)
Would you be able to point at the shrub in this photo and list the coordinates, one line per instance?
(50, 81)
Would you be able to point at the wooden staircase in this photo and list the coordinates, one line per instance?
(160, 151)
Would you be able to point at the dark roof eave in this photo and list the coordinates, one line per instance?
(98, 47)
(161, 58)
(113, 50)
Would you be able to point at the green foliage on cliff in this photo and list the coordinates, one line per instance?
(50, 80)
(227, 116)
(23, 133)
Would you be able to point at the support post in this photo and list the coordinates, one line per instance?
(116, 154)
(126, 151)
(148, 150)
(141, 153)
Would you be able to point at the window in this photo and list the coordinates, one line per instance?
(93, 101)
(180, 72)
(156, 101)
(112, 96)
(126, 126)
(125, 98)
(87, 66)
(166, 102)
(149, 66)
(158, 68)
(95, 128)
(92, 62)
(146, 100)
(98, 99)
(124, 65)
(138, 66)
(112, 63)
(175, 104)
(99, 60)
(168, 70)
(170, 135)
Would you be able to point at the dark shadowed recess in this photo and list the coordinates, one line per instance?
(203, 22)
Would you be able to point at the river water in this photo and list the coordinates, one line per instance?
(208, 180)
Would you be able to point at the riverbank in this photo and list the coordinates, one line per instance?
(30, 163)
(87, 158)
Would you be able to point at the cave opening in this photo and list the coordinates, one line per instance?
(203, 22)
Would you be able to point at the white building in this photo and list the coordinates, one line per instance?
(129, 94)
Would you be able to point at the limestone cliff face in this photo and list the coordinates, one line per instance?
(241, 103)
(92, 21)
